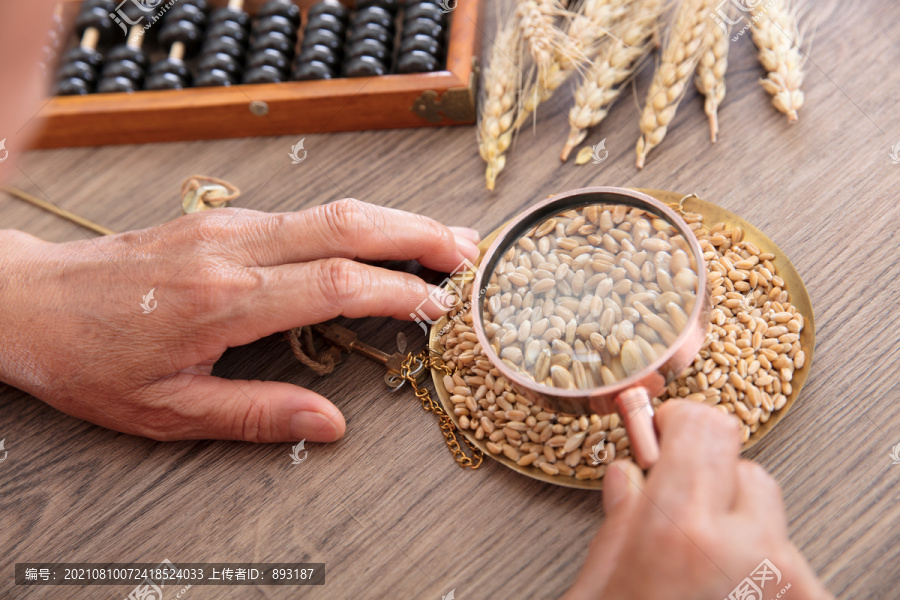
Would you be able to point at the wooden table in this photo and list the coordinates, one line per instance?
(386, 508)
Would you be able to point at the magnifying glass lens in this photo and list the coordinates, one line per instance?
(590, 296)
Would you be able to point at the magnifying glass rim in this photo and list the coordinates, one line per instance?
(555, 205)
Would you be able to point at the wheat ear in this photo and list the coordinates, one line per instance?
(710, 78)
(683, 48)
(502, 78)
(614, 63)
(775, 33)
(586, 28)
(536, 20)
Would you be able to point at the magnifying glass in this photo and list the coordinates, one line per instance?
(591, 302)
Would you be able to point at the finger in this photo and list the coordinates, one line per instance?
(699, 448)
(252, 411)
(353, 229)
(294, 295)
(466, 232)
(758, 496)
(622, 486)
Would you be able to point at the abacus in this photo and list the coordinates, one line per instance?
(156, 71)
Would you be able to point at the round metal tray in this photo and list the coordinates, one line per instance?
(712, 214)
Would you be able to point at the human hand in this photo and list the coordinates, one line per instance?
(73, 333)
(697, 526)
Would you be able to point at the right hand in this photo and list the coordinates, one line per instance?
(697, 526)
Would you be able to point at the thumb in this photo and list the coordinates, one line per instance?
(622, 487)
(252, 411)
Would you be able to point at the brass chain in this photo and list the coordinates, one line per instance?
(413, 363)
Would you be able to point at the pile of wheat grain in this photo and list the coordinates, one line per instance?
(745, 368)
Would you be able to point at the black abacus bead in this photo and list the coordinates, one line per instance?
(371, 31)
(123, 68)
(324, 37)
(228, 29)
(263, 74)
(274, 24)
(312, 71)
(326, 21)
(72, 86)
(417, 61)
(328, 7)
(372, 48)
(219, 61)
(221, 15)
(98, 18)
(423, 26)
(373, 14)
(224, 45)
(320, 53)
(187, 12)
(214, 78)
(127, 54)
(364, 66)
(85, 55)
(78, 70)
(275, 41)
(166, 81)
(181, 31)
(269, 57)
(171, 66)
(282, 8)
(421, 42)
(203, 5)
(391, 6)
(424, 10)
(116, 85)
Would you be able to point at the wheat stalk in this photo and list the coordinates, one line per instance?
(679, 58)
(614, 63)
(502, 79)
(710, 78)
(775, 33)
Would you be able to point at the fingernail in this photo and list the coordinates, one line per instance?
(467, 248)
(467, 232)
(313, 426)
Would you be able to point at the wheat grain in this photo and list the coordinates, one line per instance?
(686, 41)
(775, 33)
(710, 78)
(502, 80)
(614, 63)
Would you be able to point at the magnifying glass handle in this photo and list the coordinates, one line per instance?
(635, 407)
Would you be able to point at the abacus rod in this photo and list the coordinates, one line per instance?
(51, 208)
(135, 37)
(90, 38)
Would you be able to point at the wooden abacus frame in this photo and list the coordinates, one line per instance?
(297, 107)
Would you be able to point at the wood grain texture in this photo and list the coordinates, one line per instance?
(386, 508)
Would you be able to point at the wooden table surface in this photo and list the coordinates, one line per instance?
(386, 508)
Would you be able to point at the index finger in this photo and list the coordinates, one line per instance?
(699, 452)
(357, 230)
